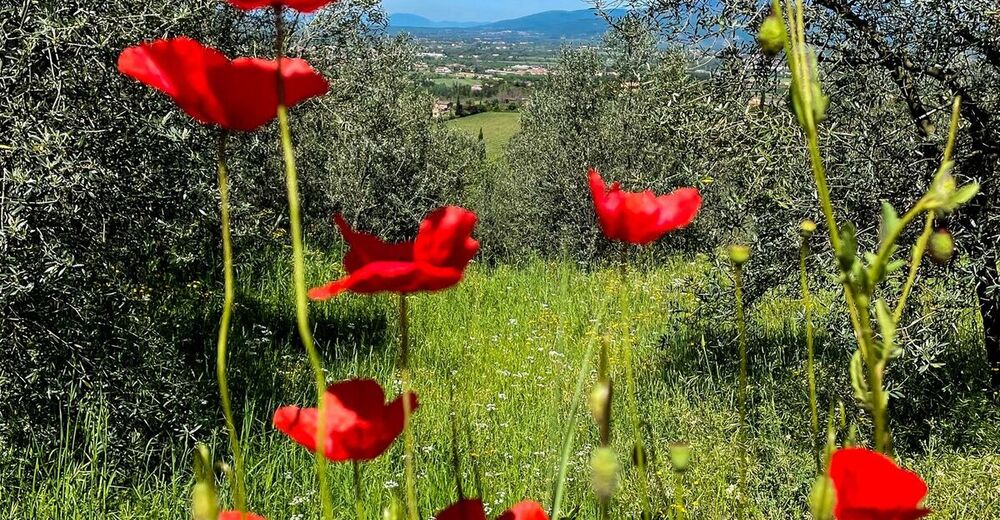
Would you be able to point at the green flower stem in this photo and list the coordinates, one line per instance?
(858, 305)
(359, 498)
(741, 325)
(680, 512)
(569, 435)
(633, 404)
(410, 442)
(810, 351)
(299, 272)
(238, 483)
(918, 255)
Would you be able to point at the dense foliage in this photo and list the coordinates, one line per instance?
(109, 201)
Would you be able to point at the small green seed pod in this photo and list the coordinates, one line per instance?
(807, 228)
(739, 254)
(680, 456)
(942, 247)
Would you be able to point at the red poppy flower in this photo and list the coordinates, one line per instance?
(871, 487)
(436, 260)
(641, 218)
(472, 509)
(238, 94)
(465, 509)
(302, 6)
(236, 515)
(359, 424)
(526, 510)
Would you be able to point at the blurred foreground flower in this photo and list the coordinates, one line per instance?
(236, 515)
(302, 6)
(436, 260)
(360, 425)
(472, 509)
(641, 218)
(870, 486)
(238, 94)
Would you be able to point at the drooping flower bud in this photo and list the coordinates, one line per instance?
(942, 247)
(772, 35)
(739, 254)
(600, 403)
(604, 467)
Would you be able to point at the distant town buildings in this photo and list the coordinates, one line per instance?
(441, 109)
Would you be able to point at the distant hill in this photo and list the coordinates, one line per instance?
(555, 23)
(407, 20)
(575, 25)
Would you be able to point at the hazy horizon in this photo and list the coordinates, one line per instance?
(477, 10)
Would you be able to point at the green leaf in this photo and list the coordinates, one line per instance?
(890, 221)
(886, 324)
(859, 382)
(965, 194)
(894, 266)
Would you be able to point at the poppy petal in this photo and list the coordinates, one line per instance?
(179, 68)
(359, 424)
(302, 6)
(396, 277)
(445, 238)
(466, 509)
(236, 515)
(870, 485)
(366, 248)
(526, 510)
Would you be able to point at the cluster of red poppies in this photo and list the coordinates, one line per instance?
(243, 94)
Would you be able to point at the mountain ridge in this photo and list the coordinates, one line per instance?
(583, 24)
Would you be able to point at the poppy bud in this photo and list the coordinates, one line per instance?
(204, 502)
(822, 498)
(942, 247)
(739, 254)
(807, 228)
(394, 511)
(772, 35)
(680, 456)
(600, 402)
(604, 467)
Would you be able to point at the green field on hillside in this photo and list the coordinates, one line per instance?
(502, 351)
(465, 82)
(497, 127)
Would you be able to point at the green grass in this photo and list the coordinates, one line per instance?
(465, 82)
(508, 343)
(497, 127)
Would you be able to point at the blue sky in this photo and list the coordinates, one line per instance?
(478, 10)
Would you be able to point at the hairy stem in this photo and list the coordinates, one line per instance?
(810, 350)
(631, 390)
(410, 441)
(917, 256)
(569, 435)
(299, 271)
(359, 498)
(742, 390)
(239, 485)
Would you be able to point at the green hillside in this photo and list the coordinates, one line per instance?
(497, 127)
